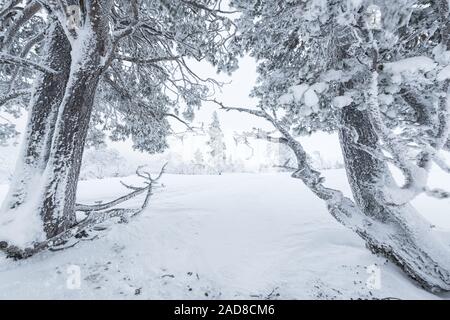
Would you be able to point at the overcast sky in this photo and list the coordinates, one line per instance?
(235, 93)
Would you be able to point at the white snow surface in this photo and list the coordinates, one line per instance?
(414, 64)
(311, 98)
(342, 101)
(230, 236)
(444, 74)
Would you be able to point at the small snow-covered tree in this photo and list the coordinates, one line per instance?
(216, 143)
(318, 161)
(198, 157)
(377, 73)
(199, 161)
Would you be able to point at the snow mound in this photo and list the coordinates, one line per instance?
(444, 74)
(414, 64)
(342, 101)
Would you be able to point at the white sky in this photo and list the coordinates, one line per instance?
(235, 93)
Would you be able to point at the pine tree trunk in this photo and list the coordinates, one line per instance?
(63, 168)
(57, 204)
(47, 96)
(405, 237)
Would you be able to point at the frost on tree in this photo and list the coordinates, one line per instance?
(112, 66)
(216, 144)
(377, 73)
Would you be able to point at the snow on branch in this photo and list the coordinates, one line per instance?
(137, 60)
(12, 95)
(416, 174)
(10, 59)
(148, 187)
(10, 7)
(257, 113)
(260, 134)
(211, 10)
(437, 193)
(25, 15)
(440, 162)
(429, 271)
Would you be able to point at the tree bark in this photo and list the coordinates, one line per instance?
(57, 204)
(397, 232)
(63, 168)
(47, 96)
(364, 170)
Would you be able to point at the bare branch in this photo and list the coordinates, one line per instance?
(257, 113)
(96, 215)
(11, 6)
(211, 10)
(10, 59)
(437, 193)
(145, 61)
(129, 186)
(27, 13)
(12, 95)
(104, 206)
(136, 191)
(171, 115)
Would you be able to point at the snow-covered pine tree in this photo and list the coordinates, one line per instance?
(20, 39)
(216, 143)
(198, 161)
(113, 65)
(198, 157)
(376, 72)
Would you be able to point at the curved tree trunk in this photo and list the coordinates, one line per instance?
(365, 172)
(46, 99)
(399, 232)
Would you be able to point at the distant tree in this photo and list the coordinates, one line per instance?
(216, 143)
(199, 161)
(198, 157)
(317, 160)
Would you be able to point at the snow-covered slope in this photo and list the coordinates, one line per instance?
(232, 236)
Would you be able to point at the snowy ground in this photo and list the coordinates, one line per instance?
(235, 236)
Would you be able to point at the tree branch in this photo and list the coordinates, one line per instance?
(10, 59)
(257, 113)
(27, 13)
(137, 60)
(12, 95)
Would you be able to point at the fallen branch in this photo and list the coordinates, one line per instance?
(96, 214)
(137, 191)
